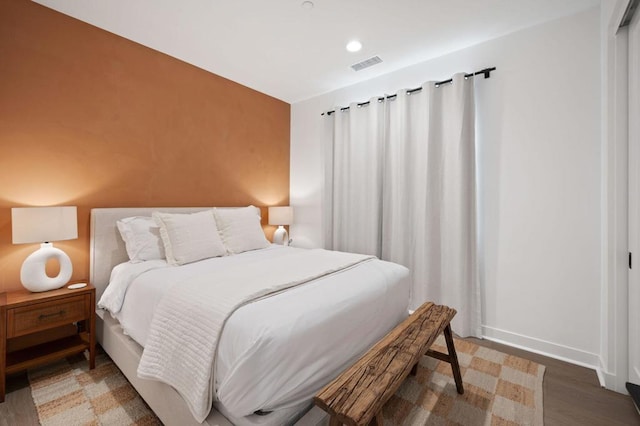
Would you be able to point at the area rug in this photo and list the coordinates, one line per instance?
(499, 390)
(67, 393)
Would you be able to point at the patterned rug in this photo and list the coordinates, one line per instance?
(67, 393)
(500, 390)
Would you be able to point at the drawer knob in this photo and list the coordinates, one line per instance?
(55, 314)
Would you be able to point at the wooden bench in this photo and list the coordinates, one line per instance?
(356, 396)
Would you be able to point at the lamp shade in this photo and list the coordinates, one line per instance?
(43, 224)
(280, 215)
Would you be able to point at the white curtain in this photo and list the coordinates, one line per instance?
(401, 184)
(354, 179)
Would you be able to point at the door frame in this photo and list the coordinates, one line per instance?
(634, 198)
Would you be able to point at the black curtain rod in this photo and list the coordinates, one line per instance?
(628, 14)
(486, 72)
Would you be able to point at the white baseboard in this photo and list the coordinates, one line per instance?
(611, 381)
(602, 375)
(543, 347)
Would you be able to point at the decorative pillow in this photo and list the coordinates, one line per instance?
(141, 237)
(240, 229)
(189, 237)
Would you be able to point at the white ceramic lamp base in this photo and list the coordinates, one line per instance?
(33, 273)
(281, 236)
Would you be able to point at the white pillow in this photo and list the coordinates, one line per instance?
(189, 237)
(141, 237)
(240, 229)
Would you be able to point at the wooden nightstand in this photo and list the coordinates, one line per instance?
(25, 315)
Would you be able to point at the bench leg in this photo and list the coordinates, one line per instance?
(333, 421)
(377, 420)
(414, 370)
(453, 359)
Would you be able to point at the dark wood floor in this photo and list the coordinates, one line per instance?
(18, 408)
(572, 396)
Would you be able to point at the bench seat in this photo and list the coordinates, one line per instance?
(356, 396)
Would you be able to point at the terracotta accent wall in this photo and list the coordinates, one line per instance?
(91, 119)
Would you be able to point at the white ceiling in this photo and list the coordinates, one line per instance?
(281, 49)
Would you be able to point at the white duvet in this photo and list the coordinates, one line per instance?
(279, 351)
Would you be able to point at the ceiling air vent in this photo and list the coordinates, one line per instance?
(366, 63)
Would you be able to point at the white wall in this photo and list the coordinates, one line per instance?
(539, 165)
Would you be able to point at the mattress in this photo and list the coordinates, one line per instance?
(277, 352)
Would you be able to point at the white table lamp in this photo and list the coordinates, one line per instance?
(43, 225)
(281, 216)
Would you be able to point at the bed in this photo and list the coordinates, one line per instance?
(266, 377)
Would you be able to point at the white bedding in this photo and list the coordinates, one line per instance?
(276, 352)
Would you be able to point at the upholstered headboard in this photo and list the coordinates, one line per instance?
(106, 248)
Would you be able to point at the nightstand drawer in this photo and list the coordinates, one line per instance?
(41, 316)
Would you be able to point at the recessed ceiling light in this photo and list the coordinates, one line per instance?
(307, 5)
(354, 46)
